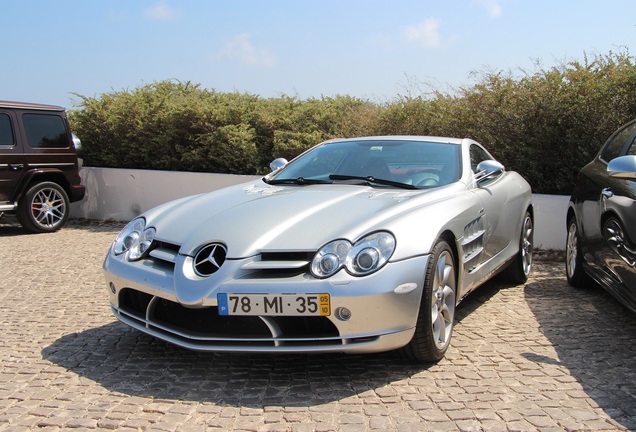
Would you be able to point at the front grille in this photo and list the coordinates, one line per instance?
(205, 328)
(278, 265)
(287, 256)
(163, 254)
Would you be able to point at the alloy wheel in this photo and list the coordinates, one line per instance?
(443, 300)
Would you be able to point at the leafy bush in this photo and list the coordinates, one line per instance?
(545, 125)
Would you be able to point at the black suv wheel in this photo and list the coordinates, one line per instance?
(43, 208)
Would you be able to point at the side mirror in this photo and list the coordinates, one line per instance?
(278, 164)
(488, 169)
(623, 167)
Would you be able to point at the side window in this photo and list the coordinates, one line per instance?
(632, 148)
(45, 131)
(6, 131)
(614, 148)
(477, 154)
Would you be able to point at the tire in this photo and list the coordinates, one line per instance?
(519, 269)
(43, 208)
(436, 315)
(574, 270)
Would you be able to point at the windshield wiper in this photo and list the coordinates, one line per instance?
(371, 179)
(296, 181)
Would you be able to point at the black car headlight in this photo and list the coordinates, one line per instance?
(134, 240)
(362, 258)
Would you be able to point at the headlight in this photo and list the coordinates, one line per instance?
(362, 258)
(134, 240)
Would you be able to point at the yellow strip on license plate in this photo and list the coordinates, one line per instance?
(274, 304)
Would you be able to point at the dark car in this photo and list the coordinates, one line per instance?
(39, 170)
(601, 220)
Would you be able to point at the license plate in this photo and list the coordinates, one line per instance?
(274, 305)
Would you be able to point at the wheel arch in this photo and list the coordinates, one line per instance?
(571, 213)
(40, 176)
(530, 209)
(609, 214)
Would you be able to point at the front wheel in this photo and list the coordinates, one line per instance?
(43, 208)
(437, 309)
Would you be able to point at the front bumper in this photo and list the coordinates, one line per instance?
(383, 307)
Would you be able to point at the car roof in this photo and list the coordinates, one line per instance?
(32, 106)
(436, 139)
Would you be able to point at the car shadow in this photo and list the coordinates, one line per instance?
(127, 361)
(593, 336)
(7, 230)
(10, 227)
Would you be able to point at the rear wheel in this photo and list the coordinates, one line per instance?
(518, 270)
(574, 258)
(43, 208)
(436, 316)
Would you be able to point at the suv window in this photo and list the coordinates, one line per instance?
(614, 148)
(6, 131)
(46, 131)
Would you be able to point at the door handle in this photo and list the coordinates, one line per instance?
(16, 167)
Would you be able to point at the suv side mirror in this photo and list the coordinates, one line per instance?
(488, 169)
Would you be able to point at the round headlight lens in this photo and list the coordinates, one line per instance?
(134, 240)
(329, 263)
(367, 259)
(330, 258)
(370, 253)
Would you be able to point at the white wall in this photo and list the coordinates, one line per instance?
(122, 194)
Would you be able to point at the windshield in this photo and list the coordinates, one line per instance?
(420, 164)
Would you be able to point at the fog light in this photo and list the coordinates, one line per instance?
(112, 287)
(343, 314)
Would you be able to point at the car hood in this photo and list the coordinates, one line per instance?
(255, 217)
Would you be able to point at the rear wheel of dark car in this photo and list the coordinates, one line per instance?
(574, 258)
(43, 208)
(436, 316)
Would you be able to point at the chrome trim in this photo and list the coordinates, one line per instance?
(54, 164)
(273, 265)
(164, 255)
(7, 207)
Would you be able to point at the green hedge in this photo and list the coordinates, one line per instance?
(546, 125)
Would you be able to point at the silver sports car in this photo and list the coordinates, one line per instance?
(357, 245)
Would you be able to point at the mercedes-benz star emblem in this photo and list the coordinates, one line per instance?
(209, 259)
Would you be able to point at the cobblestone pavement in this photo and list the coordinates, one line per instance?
(541, 356)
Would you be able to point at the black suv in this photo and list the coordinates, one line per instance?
(39, 172)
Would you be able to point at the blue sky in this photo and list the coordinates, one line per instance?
(370, 49)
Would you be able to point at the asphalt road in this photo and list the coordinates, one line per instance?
(541, 356)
